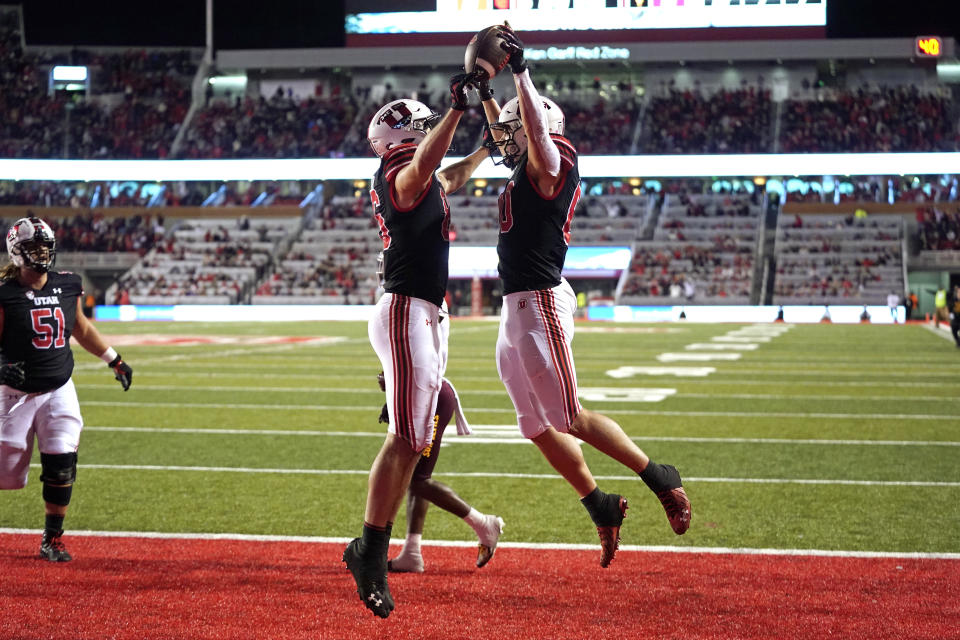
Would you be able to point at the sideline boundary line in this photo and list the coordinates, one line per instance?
(943, 333)
(919, 555)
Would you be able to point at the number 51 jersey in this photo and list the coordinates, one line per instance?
(37, 324)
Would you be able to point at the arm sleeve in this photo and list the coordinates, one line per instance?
(535, 123)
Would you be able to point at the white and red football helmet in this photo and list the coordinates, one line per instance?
(399, 122)
(32, 244)
(512, 138)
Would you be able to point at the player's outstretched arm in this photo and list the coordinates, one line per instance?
(455, 175)
(416, 176)
(491, 108)
(90, 339)
(542, 153)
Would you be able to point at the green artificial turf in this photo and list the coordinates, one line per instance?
(826, 437)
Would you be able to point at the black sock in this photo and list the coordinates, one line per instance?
(53, 523)
(660, 477)
(375, 540)
(595, 503)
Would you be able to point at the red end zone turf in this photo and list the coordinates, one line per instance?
(172, 588)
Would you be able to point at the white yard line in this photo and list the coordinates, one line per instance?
(719, 379)
(243, 432)
(770, 396)
(186, 365)
(511, 434)
(226, 353)
(518, 476)
(586, 392)
(637, 412)
(551, 546)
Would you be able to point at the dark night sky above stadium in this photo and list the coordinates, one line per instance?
(254, 24)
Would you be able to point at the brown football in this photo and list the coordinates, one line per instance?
(484, 52)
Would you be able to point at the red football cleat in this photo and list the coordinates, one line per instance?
(610, 535)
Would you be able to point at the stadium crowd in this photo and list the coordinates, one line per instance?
(139, 100)
(96, 233)
(939, 228)
(728, 121)
(858, 121)
(281, 126)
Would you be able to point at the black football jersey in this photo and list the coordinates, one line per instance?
(37, 324)
(534, 229)
(416, 241)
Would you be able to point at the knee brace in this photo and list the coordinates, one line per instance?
(58, 468)
(59, 471)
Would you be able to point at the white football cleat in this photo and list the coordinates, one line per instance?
(406, 563)
(489, 536)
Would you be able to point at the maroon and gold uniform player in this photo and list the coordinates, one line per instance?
(38, 316)
(534, 355)
(424, 490)
(412, 212)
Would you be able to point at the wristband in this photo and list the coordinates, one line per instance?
(109, 355)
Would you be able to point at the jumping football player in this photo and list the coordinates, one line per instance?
(411, 209)
(38, 316)
(534, 356)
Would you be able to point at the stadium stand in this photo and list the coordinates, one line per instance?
(280, 126)
(332, 261)
(900, 118)
(835, 259)
(474, 220)
(600, 121)
(206, 261)
(138, 105)
(689, 242)
(702, 250)
(938, 235)
(939, 227)
(137, 101)
(727, 121)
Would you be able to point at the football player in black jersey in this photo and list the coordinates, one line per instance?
(411, 210)
(534, 356)
(38, 316)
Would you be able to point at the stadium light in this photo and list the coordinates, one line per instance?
(659, 166)
(228, 81)
(63, 73)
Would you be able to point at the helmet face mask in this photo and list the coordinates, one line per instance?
(400, 122)
(32, 244)
(510, 135)
(510, 139)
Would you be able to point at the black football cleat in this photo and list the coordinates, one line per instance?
(609, 532)
(371, 579)
(52, 547)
